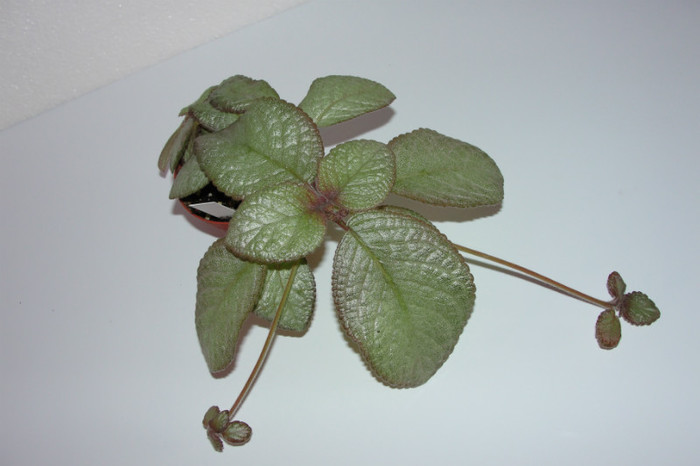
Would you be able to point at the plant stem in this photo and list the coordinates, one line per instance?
(268, 344)
(542, 278)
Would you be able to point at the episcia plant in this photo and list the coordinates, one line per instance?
(403, 292)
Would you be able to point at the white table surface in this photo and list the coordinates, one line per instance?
(591, 110)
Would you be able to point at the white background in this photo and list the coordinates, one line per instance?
(591, 110)
(53, 51)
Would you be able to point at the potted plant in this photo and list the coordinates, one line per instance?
(403, 291)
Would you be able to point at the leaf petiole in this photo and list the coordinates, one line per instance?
(559, 286)
(268, 344)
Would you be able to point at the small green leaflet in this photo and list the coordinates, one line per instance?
(299, 308)
(334, 99)
(273, 142)
(227, 290)
(403, 294)
(276, 225)
(358, 173)
(616, 285)
(219, 428)
(237, 433)
(440, 170)
(638, 309)
(608, 330)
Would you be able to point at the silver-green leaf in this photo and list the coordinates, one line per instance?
(403, 294)
(616, 285)
(237, 433)
(210, 117)
(190, 179)
(299, 308)
(236, 93)
(637, 309)
(358, 174)
(608, 330)
(276, 225)
(227, 290)
(273, 142)
(333, 99)
(440, 170)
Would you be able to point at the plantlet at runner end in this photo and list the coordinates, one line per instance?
(403, 292)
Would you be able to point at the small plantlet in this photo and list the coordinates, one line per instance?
(403, 291)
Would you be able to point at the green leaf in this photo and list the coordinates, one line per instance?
(189, 179)
(403, 294)
(176, 145)
(333, 99)
(210, 117)
(299, 309)
(276, 225)
(219, 422)
(210, 416)
(237, 93)
(227, 289)
(273, 142)
(402, 211)
(440, 170)
(237, 433)
(215, 441)
(616, 286)
(358, 174)
(638, 309)
(608, 330)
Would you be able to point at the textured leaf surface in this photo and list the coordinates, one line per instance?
(402, 211)
(236, 93)
(189, 180)
(210, 117)
(272, 143)
(210, 417)
(215, 441)
(359, 173)
(276, 225)
(227, 289)
(403, 293)
(237, 433)
(440, 170)
(333, 99)
(616, 286)
(219, 420)
(299, 309)
(638, 309)
(608, 330)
